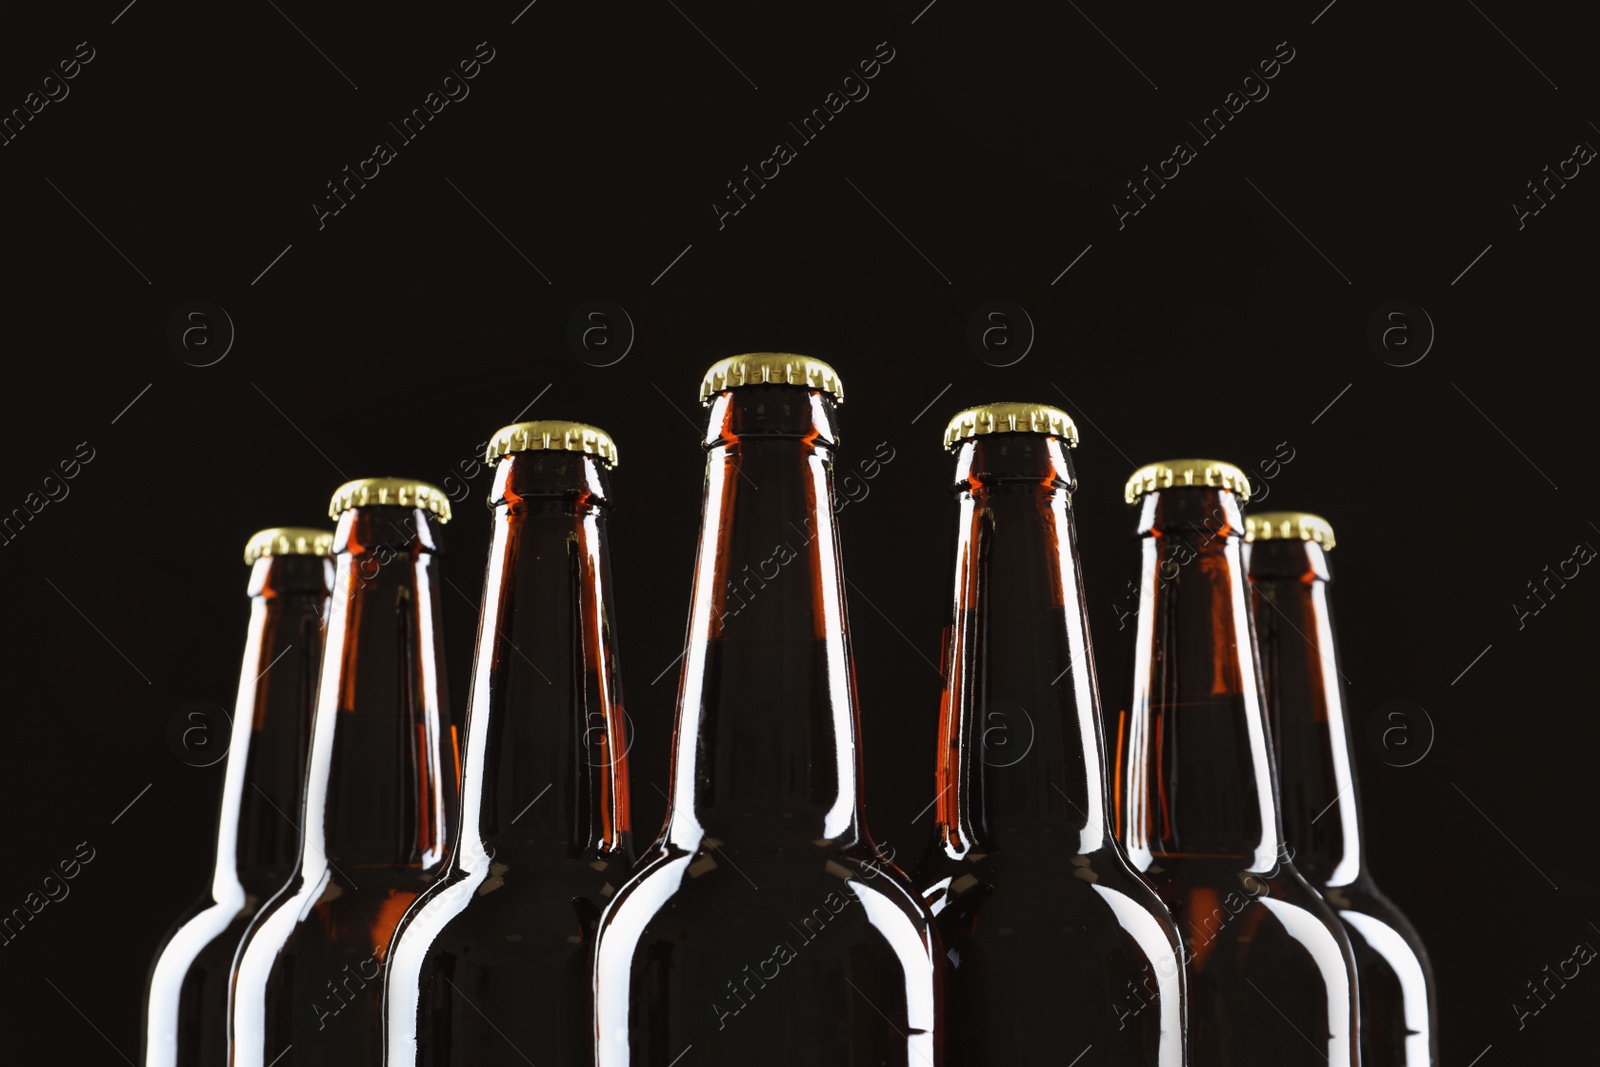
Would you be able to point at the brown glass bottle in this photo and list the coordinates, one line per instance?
(1058, 952)
(491, 965)
(1286, 553)
(1270, 975)
(380, 795)
(765, 926)
(186, 996)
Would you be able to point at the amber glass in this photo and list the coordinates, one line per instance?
(1056, 948)
(1270, 974)
(380, 801)
(1321, 804)
(186, 998)
(491, 965)
(765, 926)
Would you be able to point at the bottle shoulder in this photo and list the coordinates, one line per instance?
(719, 882)
(777, 856)
(1038, 863)
(1044, 903)
(332, 903)
(1379, 932)
(1362, 897)
(1227, 912)
(487, 894)
(209, 913)
(1229, 876)
(205, 938)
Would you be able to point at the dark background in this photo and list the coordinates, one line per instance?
(984, 161)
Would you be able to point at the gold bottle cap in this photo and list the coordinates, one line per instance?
(552, 434)
(288, 541)
(1011, 417)
(397, 492)
(1187, 472)
(1289, 526)
(770, 368)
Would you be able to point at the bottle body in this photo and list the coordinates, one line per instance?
(1081, 963)
(1270, 971)
(309, 974)
(723, 948)
(765, 925)
(1056, 948)
(492, 964)
(380, 803)
(186, 1001)
(1321, 799)
(1395, 978)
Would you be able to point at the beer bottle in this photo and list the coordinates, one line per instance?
(186, 999)
(765, 926)
(380, 793)
(492, 964)
(1270, 975)
(1286, 553)
(1057, 949)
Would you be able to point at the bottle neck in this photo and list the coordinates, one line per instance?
(1305, 699)
(545, 773)
(1197, 776)
(381, 788)
(1020, 746)
(257, 843)
(766, 738)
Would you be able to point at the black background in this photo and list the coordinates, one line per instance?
(984, 161)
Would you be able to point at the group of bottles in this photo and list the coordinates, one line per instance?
(388, 893)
